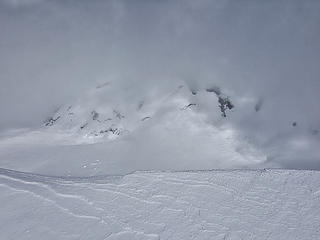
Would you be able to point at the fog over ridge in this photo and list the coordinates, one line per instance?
(264, 55)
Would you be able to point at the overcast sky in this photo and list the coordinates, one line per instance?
(52, 50)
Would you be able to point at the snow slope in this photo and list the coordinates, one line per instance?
(238, 204)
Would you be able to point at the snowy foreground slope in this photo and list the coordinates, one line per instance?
(239, 204)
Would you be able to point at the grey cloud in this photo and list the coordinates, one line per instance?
(20, 3)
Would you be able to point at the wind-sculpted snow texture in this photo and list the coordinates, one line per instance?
(246, 204)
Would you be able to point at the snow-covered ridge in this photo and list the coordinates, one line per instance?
(261, 204)
(114, 128)
(101, 112)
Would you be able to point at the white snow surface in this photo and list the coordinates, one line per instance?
(218, 204)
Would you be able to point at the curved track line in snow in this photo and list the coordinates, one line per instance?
(29, 176)
(215, 204)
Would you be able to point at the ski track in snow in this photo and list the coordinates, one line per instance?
(239, 204)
